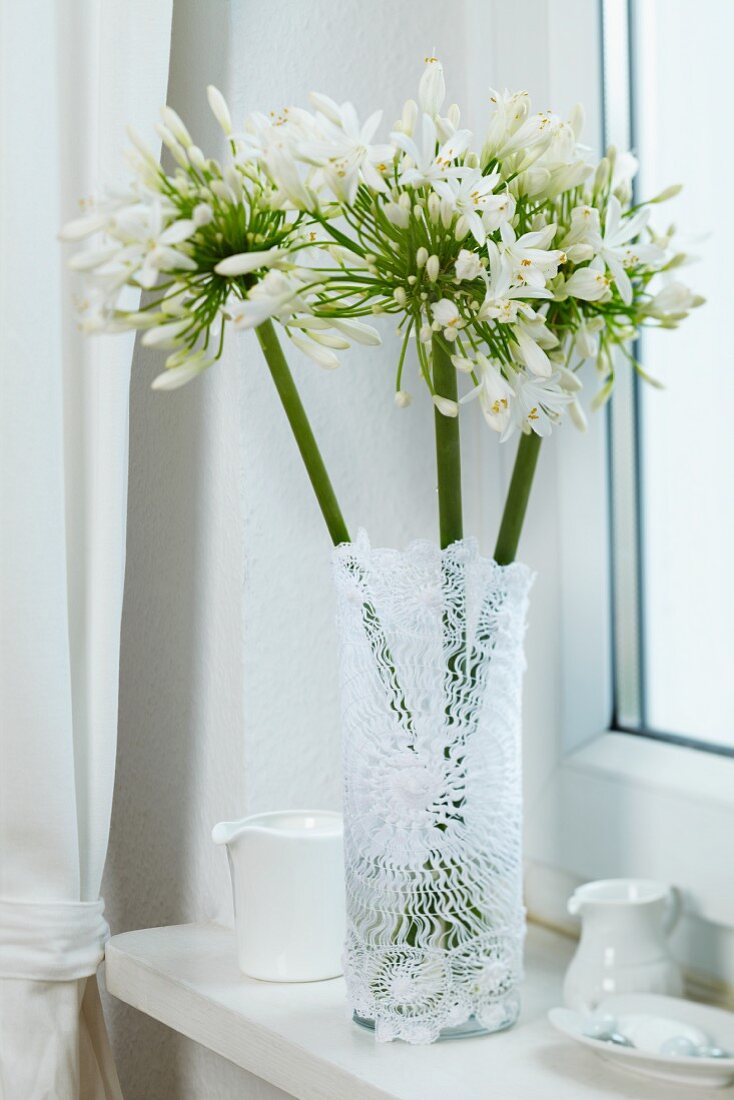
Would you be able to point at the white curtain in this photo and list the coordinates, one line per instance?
(72, 74)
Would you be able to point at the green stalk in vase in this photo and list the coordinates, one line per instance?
(450, 518)
(448, 447)
(516, 502)
(337, 528)
(302, 432)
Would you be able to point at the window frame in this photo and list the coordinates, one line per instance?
(606, 802)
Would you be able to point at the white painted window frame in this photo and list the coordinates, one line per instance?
(611, 803)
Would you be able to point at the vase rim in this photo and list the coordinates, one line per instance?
(467, 546)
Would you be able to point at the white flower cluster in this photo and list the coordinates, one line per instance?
(521, 258)
(212, 244)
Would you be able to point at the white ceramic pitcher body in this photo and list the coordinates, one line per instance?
(623, 946)
(287, 873)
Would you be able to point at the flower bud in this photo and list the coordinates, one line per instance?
(404, 201)
(432, 268)
(447, 213)
(219, 108)
(432, 87)
(233, 178)
(576, 120)
(579, 253)
(434, 206)
(399, 295)
(578, 416)
(142, 148)
(417, 211)
(668, 193)
(222, 191)
(402, 399)
(569, 380)
(174, 147)
(176, 126)
(585, 344)
(165, 335)
(680, 259)
(454, 115)
(396, 214)
(425, 334)
(409, 116)
(202, 214)
(471, 160)
(421, 257)
(601, 176)
(196, 157)
(462, 228)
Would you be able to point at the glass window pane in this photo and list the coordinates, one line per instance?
(681, 100)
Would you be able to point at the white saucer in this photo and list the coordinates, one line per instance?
(717, 1025)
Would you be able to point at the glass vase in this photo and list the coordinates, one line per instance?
(431, 676)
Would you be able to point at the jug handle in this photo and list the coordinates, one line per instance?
(673, 910)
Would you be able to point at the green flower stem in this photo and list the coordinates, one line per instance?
(304, 436)
(448, 449)
(517, 499)
(314, 464)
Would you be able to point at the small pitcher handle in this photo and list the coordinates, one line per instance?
(673, 909)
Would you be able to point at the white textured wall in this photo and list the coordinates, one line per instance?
(228, 680)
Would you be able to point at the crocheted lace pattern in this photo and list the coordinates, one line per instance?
(431, 673)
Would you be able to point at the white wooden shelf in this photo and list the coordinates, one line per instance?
(301, 1038)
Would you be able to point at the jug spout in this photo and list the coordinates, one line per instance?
(574, 904)
(228, 831)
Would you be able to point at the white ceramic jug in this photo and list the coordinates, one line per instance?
(623, 946)
(288, 883)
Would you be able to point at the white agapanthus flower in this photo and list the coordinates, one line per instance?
(466, 246)
(538, 404)
(468, 265)
(218, 244)
(430, 162)
(342, 147)
(447, 318)
(467, 193)
(494, 392)
(506, 293)
(620, 249)
(674, 300)
(531, 260)
(516, 260)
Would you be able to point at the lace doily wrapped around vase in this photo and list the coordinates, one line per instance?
(431, 674)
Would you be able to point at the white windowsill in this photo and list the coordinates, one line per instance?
(299, 1037)
(623, 805)
(694, 775)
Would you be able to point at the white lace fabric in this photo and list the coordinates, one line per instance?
(431, 675)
